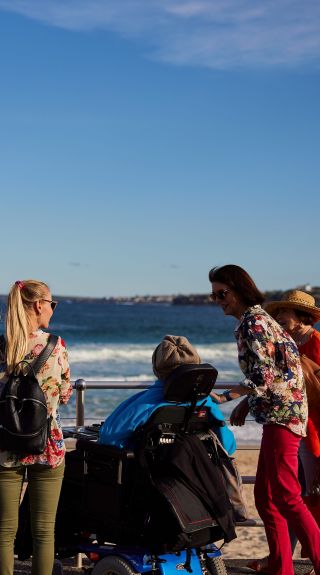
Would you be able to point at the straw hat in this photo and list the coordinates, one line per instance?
(295, 299)
(173, 351)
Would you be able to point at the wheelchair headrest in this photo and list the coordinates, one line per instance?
(188, 382)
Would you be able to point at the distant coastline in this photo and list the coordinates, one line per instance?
(178, 299)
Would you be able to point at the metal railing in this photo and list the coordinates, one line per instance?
(81, 385)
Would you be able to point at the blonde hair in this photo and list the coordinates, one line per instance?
(21, 298)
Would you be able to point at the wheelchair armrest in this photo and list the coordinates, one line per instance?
(104, 450)
(217, 422)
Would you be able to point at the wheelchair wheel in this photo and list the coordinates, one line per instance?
(113, 566)
(216, 566)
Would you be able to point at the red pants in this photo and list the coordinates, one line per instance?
(278, 500)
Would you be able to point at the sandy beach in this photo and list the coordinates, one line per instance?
(251, 541)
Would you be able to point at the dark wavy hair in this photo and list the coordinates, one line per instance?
(304, 317)
(239, 281)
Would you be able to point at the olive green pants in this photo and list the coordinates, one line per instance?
(44, 486)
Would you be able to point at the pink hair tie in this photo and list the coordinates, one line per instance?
(20, 284)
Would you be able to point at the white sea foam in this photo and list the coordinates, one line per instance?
(133, 361)
(112, 352)
(140, 377)
(250, 433)
(90, 353)
(115, 351)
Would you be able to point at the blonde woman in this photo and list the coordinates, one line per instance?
(29, 310)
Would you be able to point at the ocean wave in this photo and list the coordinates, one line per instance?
(249, 434)
(143, 352)
(118, 362)
(115, 353)
(140, 377)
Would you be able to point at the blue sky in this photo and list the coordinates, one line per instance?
(144, 141)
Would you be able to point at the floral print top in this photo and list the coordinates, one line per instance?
(54, 379)
(270, 361)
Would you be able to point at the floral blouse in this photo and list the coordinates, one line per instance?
(54, 379)
(269, 359)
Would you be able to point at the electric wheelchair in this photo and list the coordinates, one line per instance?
(159, 507)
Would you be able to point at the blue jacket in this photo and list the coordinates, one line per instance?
(136, 410)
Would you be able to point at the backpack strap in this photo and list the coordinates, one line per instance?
(45, 354)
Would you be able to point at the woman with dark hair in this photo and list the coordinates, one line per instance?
(275, 387)
(297, 313)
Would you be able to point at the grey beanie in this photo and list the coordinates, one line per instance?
(173, 351)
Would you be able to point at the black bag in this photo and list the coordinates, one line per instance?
(183, 496)
(24, 421)
(232, 479)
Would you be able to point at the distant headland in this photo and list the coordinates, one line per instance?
(178, 299)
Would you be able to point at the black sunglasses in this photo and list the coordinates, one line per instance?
(219, 295)
(52, 303)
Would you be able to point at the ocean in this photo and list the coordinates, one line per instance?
(115, 342)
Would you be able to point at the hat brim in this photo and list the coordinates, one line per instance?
(273, 307)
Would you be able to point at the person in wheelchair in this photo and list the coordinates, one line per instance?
(172, 352)
(154, 479)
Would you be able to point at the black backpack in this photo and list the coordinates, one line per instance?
(24, 421)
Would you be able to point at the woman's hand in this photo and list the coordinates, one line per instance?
(240, 412)
(217, 397)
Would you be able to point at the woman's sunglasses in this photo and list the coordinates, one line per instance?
(52, 303)
(219, 295)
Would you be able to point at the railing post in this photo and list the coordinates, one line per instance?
(80, 386)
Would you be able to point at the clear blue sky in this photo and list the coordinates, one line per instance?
(143, 142)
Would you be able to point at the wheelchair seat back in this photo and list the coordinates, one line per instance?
(188, 383)
(185, 388)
